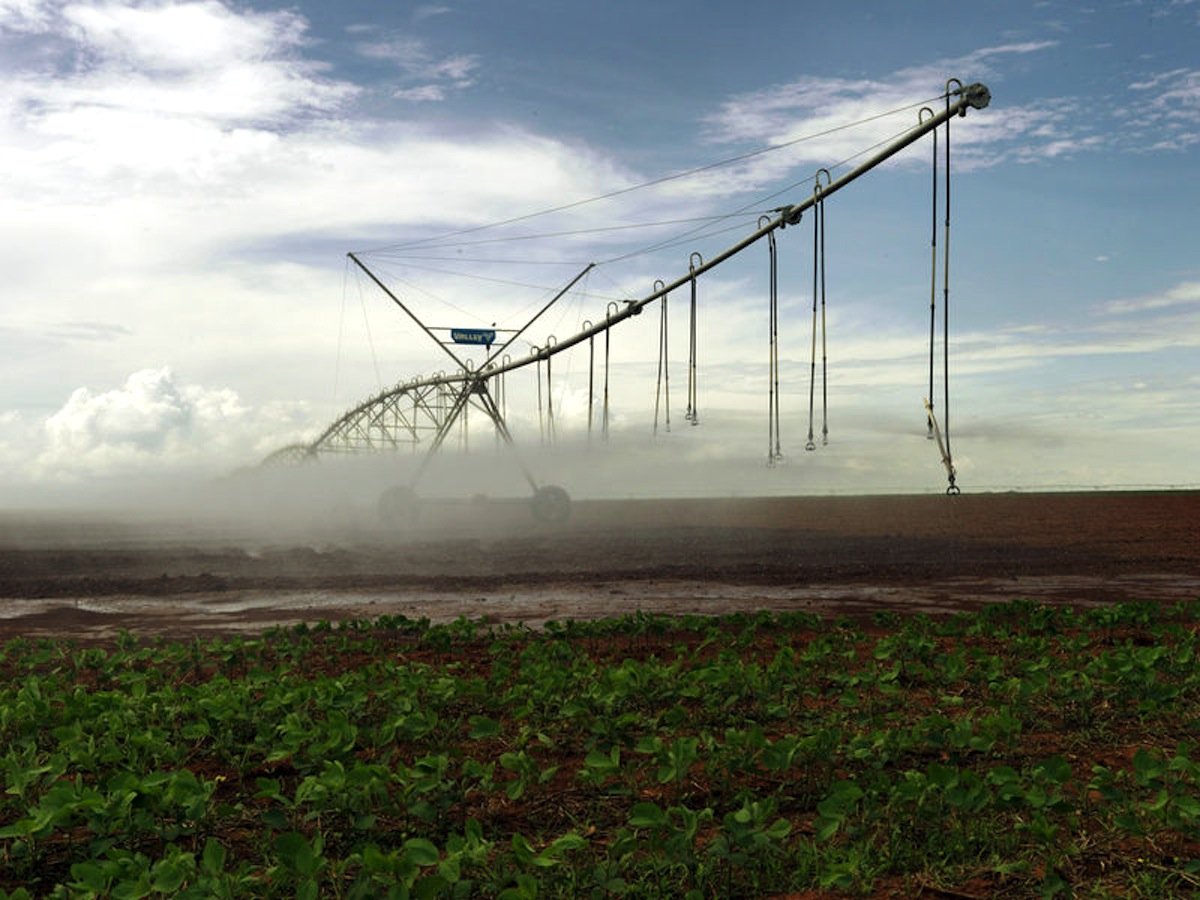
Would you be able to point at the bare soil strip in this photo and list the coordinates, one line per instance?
(92, 577)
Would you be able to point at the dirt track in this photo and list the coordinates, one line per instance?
(844, 555)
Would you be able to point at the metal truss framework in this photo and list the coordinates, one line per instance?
(403, 417)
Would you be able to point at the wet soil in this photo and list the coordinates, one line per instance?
(92, 577)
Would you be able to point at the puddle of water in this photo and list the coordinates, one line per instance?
(254, 611)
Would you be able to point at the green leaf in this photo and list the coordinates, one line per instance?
(552, 854)
(1188, 805)
(90, 876)
(422, 851)
(1128, 822)
(1055, 770)
(483, 727)
(18, 829)
(779, 829)
(1147, 766)
(213, 860)
(450, 869)
(598, 759)
(647, 815)
(168, 875)
(943, 776)
(827, 828)
(526, 888)
(297, 854)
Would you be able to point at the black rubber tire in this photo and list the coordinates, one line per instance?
(551, 504)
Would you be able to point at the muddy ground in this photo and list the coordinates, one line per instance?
(92, 576)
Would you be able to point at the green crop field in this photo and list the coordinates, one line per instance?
(1022, 750)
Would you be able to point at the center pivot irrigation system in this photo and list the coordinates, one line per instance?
(426, 409)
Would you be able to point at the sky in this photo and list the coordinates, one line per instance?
(182, 182)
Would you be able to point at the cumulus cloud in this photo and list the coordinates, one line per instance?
(155, 423)
(194, 124)
(156, 193)
(198, 59)
(178, 38)
(113, 97)
(24, 15)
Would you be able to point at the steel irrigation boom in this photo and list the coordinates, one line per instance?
(384, 421)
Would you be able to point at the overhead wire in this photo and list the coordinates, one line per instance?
(415, 288)
(699, 233)
(490, 260)
(654, 182)
(574, 232)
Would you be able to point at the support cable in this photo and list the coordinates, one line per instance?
(536, 352)
(501, 399)
(337, 366)
(587, 323)
(691, 234)
(774, 453)
(740, 213)
(416, 411)
(551, 340)
(941, 434)
(820, 211)
(811, 444)
(362, 302)
(652, 182)
(664, 372)
(607, 343)
(464, 430)
(952, 487)
(693, 405)
(932, 274)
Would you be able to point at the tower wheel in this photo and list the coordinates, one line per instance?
(399, 505)
(551, 504)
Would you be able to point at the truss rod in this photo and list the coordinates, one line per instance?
(383, 287)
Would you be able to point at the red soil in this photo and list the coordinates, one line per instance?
(830, 555)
